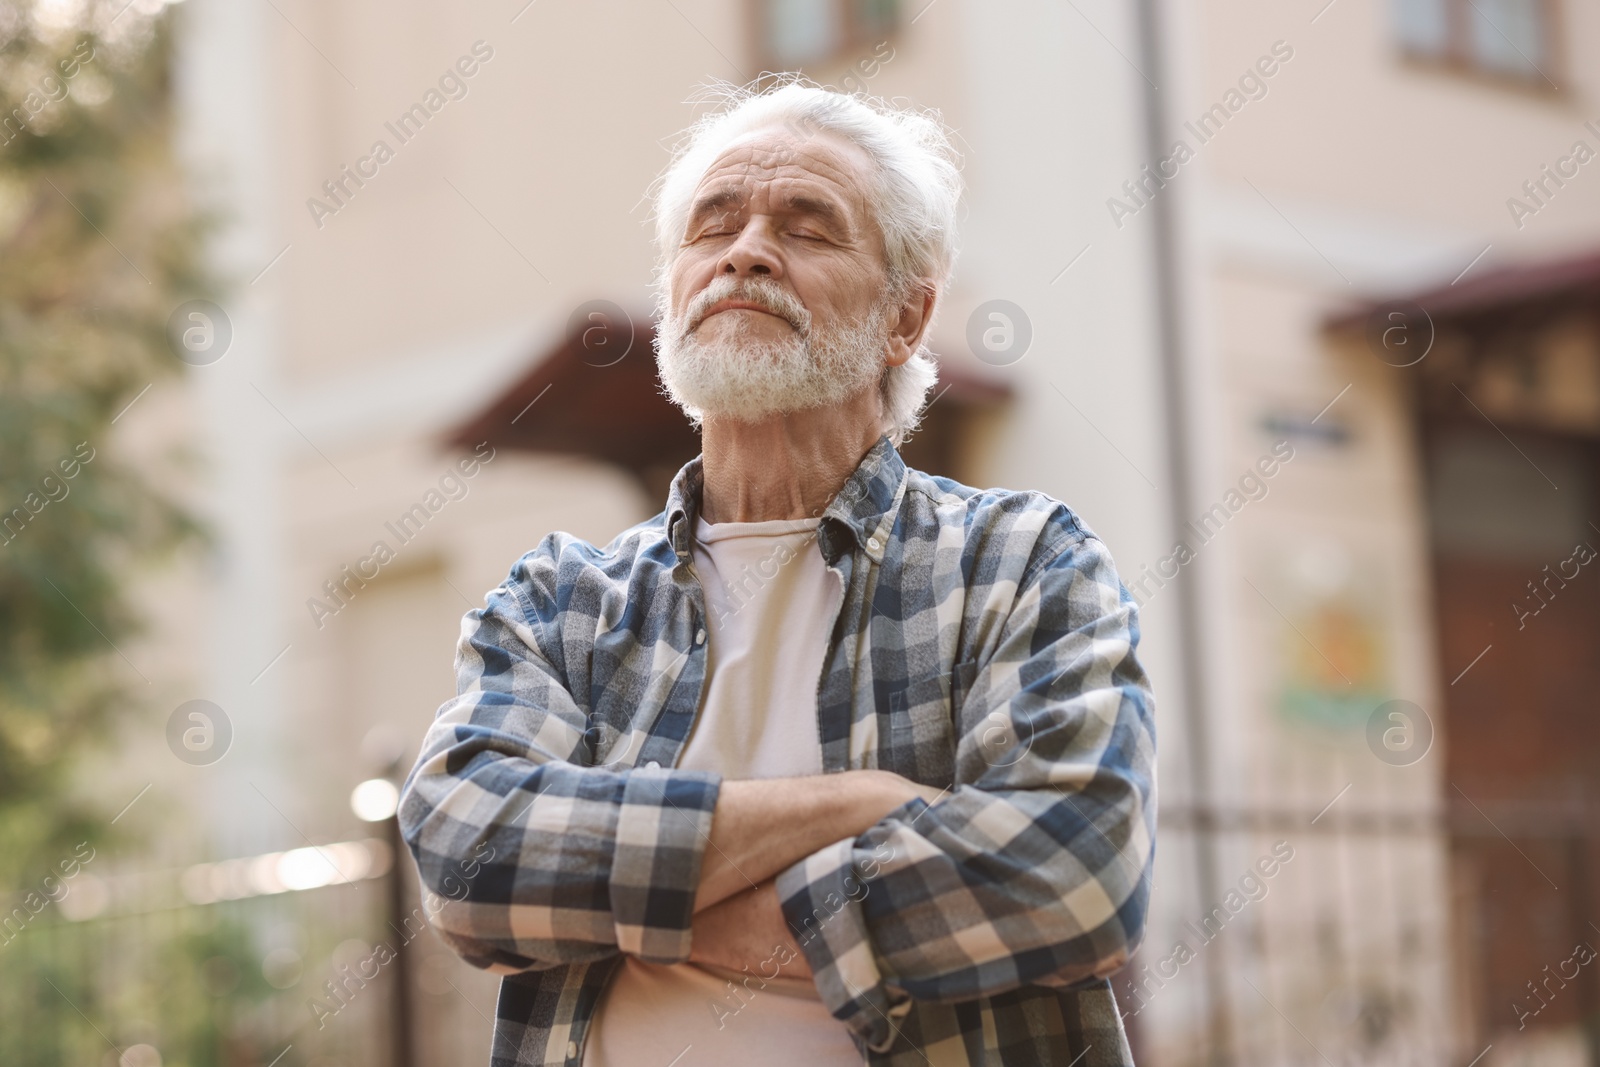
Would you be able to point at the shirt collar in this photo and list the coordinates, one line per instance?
(864, 508)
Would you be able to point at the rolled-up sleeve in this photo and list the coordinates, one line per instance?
(1034, 868)
(541, 858)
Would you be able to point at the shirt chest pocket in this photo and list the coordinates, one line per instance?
(922, 725)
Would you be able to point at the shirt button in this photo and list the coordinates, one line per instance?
(653, 765)
(874, 544)
(572, 1050)
(699, 637)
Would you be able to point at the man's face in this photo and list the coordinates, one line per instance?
(776, 300)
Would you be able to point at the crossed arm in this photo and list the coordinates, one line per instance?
(583, 861)
(762, 826)
(587, 861)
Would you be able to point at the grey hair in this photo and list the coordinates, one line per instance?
(914, 199)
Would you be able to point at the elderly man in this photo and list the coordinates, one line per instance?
(832, 761)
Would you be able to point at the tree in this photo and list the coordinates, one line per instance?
(98, 245)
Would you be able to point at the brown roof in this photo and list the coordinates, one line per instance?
(1494, 292)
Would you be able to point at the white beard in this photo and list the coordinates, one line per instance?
(738, 377)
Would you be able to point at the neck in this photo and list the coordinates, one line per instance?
(787, 466)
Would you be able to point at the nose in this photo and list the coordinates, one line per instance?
(753, 252)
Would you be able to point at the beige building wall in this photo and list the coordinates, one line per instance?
(1359, 174)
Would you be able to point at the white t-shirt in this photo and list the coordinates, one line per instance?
(771, 602)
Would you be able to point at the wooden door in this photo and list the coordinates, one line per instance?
(1517, 583)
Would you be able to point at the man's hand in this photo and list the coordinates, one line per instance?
(762, 825)
(747, 929)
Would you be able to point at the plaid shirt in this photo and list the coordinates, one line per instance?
(985, 645)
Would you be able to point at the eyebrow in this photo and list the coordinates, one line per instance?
(824, 211)
(714, 201)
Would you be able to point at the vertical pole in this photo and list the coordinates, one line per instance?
(400, 1021)
(1578, 844)
(1175, 390)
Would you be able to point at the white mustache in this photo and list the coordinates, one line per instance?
(766, 295)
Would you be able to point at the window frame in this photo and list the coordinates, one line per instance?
(857, 38)
(1457, 57)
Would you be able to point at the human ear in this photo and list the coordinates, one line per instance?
(916, 311)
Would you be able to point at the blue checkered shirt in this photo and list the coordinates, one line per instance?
(985, 646)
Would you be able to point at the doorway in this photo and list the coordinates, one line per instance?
(1517, 600)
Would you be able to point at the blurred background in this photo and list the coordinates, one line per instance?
(314, 316)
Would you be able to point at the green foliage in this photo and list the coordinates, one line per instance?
(190, 982)
(97, 246)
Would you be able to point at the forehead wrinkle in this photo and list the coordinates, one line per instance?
(822, 156)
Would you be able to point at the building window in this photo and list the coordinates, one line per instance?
(800, 34)
(1512, 39)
